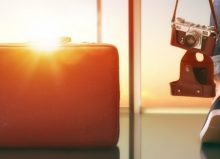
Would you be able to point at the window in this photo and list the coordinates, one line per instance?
(24, 20)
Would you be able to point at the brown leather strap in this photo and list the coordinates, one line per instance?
(213, 14)
(212, 11)
(174, 12)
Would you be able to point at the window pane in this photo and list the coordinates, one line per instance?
(24, 20)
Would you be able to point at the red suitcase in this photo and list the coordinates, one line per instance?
(68, 98)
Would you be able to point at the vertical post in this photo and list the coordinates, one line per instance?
(99, 21)
(135, 78)
(135, 55)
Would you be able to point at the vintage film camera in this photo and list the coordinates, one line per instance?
(188, 35)
(196, 77)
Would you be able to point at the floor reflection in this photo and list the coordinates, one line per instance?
(210, 151)
(112, 153)
(135, 136)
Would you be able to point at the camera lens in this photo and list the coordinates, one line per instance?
(191, 39)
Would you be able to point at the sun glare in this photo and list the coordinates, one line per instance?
(47, 46)
(43, 34)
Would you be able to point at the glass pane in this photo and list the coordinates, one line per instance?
(25, 20)
(160, 60)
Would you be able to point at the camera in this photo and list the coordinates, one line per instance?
(199, 38)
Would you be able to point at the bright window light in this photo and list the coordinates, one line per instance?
(46, 45)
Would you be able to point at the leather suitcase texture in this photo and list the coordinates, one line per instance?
(67, 98)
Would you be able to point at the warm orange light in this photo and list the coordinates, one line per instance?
(47, 46)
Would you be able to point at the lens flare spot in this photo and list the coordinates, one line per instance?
(45, 46)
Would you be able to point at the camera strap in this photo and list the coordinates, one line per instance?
(212, 11)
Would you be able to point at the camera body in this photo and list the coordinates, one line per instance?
(198, 38)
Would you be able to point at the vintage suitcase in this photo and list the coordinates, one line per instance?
(65, 98)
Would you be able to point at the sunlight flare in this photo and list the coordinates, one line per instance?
(46, 45)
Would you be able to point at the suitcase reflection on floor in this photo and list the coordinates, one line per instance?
(110, 153)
